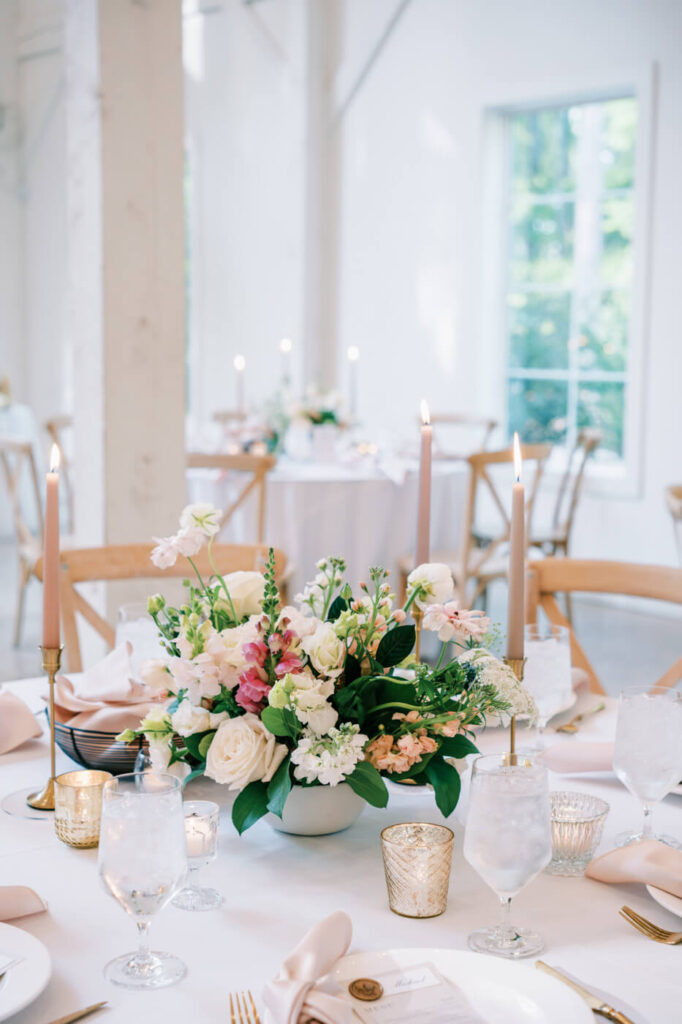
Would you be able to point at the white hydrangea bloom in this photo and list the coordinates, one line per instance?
(494, 672)
(329, 759)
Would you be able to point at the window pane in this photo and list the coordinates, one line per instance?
(617, 223)
(602, 405)
(604, 331)
(537, 409)
(539, 326)
(543, 151)
(541, 243)
(618, 143)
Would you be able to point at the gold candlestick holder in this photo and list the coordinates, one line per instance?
(517, 666)
(417, 615)
(44, 800)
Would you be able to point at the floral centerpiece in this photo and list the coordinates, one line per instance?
(262, 696)
(317, 409)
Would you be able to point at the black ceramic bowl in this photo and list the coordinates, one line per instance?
(98, 750)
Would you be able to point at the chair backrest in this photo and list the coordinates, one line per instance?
(17, 458)
(570, 487)
(550, 576)
(253, 470)
(673, 496)
(133, 562)
(481, 427)
(474, 557)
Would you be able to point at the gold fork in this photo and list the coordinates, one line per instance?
(243, 1014)
(648, 928)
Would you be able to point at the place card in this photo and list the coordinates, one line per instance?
(417, 993)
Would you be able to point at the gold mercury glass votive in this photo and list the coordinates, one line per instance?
(577, 821)
(417, 858)
(78, 807)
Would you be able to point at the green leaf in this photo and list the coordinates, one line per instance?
(280, 722)
(395, 646)
(338, 605)
(366, 781)
(457, 746)
(279, 788)
(194, 774)
(205, 744)
(446, 784)
(193, 743)
(352, 669)
(251, 804)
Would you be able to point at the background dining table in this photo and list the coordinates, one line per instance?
(276, 886)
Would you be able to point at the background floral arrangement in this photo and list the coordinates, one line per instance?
(260, 696)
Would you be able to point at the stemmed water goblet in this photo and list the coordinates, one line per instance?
(142, 862)
(648, 752)
(508, 842)
(547, 671)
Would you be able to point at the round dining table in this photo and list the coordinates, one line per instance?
(276, 886)
(362, 508)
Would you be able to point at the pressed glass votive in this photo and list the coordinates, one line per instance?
(577, 822)
(202, 818)
(78, 807)
(417, 858)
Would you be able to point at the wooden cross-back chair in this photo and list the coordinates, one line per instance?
(483, 425)
(673, 496)
(254, 467)
(21, 478)
(556, 539)
(550, 576)
(133, 562)
(56, 427)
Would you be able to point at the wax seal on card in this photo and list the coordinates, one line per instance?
(366, 989)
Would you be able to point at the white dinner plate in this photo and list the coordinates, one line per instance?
(677, 790)
(23, 983)
(666, 899)
(502, 992)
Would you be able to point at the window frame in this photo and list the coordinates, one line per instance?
(623, 477)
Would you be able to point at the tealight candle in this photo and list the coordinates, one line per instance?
(417, 858)
(201, 833)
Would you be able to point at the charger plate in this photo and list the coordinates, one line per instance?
(666, 899)
(502, 992)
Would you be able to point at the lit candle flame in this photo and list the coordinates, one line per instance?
(353, 354)
(285, 345)
(426, 415)
(54, 459)
(239, 363)
(518, 462)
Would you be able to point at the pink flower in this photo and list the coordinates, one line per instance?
(289, 662)
(255, 652)
(452, 624)
(165, 553)
(253, 690)
(399, 616)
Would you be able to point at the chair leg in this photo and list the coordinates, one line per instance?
(569, 608)
(19, 614)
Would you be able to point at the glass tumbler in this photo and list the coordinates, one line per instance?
(417, 858)
(577, 822)
(78, 807)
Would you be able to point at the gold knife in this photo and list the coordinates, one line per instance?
(79, 1014)
(596, 1004)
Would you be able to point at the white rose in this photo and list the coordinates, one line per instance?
(154, 674)
(434, 581)
(243, 751)
(188, 719)
(246, 590)
(325, 650)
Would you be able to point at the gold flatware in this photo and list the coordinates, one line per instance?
(243, 1014)
(79, 1014)
(572, 726)
(595, 1003)
(648, 928)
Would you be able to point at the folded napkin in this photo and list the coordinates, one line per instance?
(576, 756)
(649, 861)
(19, 901)
(299, 995)
(580, 681)
(105, 697)
(17, 722)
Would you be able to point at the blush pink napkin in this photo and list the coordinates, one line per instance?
(650, 862)
(19, 901)
(17, 722)
(580, 681)
(105, 697)
(298, 994)
(576, 756)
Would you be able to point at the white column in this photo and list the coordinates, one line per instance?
(322, 195)
(126, 265)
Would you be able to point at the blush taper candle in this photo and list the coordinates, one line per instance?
(51, 555)
(424, 511)
(517, 562)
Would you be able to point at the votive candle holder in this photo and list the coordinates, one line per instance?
(78, 807)
(577, 822)
(417, 860)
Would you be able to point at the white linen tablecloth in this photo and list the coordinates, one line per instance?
(364, 510)
(276, 886)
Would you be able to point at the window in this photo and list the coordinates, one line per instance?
(570, 268)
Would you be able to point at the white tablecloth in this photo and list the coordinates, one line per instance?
(364, 511)
(277, 886)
